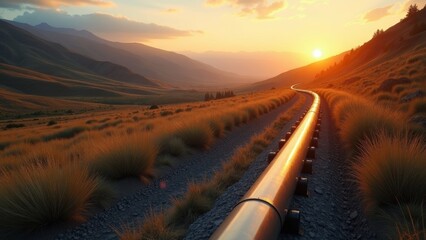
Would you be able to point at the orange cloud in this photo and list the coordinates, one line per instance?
(377, 14)
(262, 9)
(53, 3)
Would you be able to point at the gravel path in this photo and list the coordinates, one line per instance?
(332, 210)
(132, 208)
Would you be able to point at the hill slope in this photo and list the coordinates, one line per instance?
(299, 75)
(163, 66)
(393, 57)
(35, 66)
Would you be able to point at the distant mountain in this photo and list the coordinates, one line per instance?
(167, 68)
(257, 64)
(299, 75)
(32, 65)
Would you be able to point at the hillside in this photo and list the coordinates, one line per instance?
(393, 57)
(22, 49)
(167, 68)
(299, 75)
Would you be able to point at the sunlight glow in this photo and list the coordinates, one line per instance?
(317, 53)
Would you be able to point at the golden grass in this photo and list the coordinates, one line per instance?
(36, 196)
(199, 136)
(124, 156)
(200, 197)
(38, 156)
(154, 228)
(391, 171)
(389, 161)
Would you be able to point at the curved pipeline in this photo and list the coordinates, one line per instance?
(260, 214)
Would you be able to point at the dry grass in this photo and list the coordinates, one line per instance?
(198, 135)
(200, 197)
(37, 196)
(389, 161)
(391, 171)
(124, 156)
(118, 147)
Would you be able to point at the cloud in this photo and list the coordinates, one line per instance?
(262, 9)
(171, 10)
(108, 26)
(377, 14)
(19, 4)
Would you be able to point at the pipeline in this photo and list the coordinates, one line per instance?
(262, 211)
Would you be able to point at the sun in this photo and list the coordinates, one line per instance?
(317, 53)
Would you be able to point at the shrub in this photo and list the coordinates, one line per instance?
(36, 196)
(90, 121)
(216, 126)
(365, 123)
(228, 122)
(120, 157)
(172, 145)
(391, 171)
(252, 112)
(166, 113)
(154, 227)
(64, 134)
(14, 125)
(189, 208)
(51, 122)
(196, 135)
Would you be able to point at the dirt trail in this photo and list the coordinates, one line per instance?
(142, 199)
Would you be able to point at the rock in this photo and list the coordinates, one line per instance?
(153, 107)
(318, 190)
(311, 234)
(353, 215)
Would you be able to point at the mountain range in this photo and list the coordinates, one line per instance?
(68, 65)
(168, 69)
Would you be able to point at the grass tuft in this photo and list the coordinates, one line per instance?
(391, 171)
(64, 134)
(198, 136)
(200, 197)
(36, 196)
(121, 157)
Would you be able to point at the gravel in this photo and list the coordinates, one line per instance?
(204, 226)
(133, 207)
(332, 209)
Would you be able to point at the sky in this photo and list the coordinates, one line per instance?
(332, 26)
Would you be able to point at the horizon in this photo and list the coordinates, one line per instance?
(246, 25)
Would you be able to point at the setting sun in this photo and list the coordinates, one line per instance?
(317, 53)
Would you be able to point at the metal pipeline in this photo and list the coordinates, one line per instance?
(260, 214)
